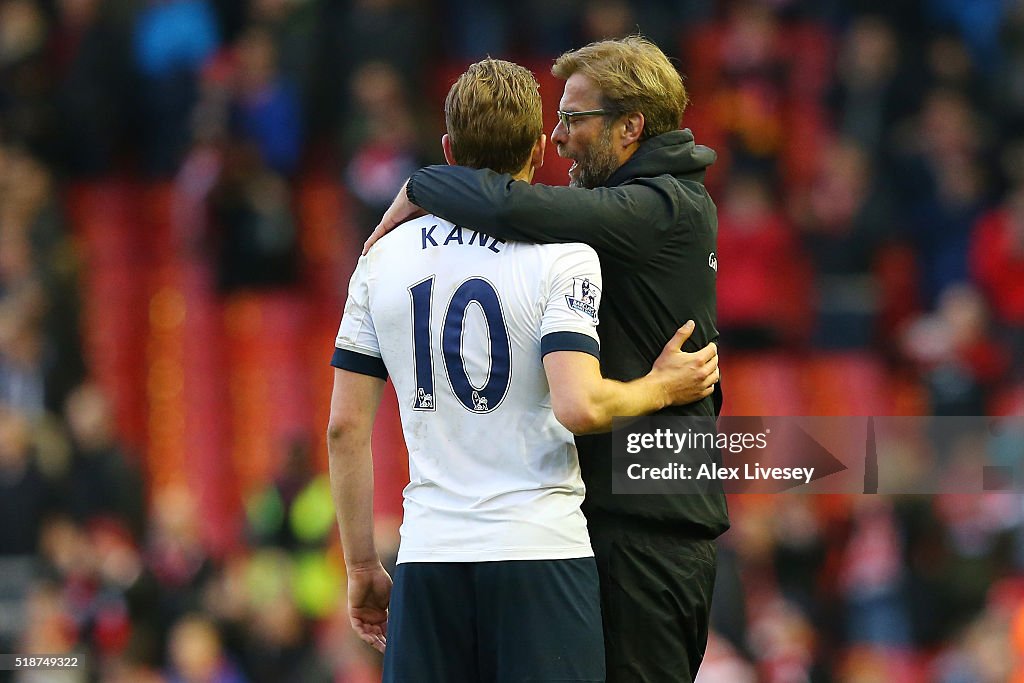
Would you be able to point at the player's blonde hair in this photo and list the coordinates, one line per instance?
(493, 115)
(633, 74)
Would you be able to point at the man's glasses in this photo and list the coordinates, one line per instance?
(566, 117)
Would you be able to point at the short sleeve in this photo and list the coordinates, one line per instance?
(570, 318)
(356, 348)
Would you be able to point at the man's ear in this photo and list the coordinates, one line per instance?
(446, 145)
(537, 155)
(633, 128)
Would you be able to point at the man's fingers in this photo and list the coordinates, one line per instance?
(709, 371)
(708, 352)
(377, 642)
(377, 233)
(680, 337)
(371, 634)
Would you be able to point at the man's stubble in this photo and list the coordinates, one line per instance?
(596, 163)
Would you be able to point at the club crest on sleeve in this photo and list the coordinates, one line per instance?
(584, 298)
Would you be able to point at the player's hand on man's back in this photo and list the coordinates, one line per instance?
(401, 211)
(369, 594)
(686, 377)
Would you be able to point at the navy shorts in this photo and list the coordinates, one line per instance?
(495, 622)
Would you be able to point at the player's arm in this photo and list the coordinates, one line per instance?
(354, 404)
(585, 402)
(627, 223)
(359, 377)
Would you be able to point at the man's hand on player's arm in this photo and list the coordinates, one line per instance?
(354, 404)
(685, 377)
(585, 402)
(400, 211)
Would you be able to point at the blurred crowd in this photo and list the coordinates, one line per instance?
(870, 187)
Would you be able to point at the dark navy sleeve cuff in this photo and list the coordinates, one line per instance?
(343, 359)
(569, 341)
(410, 192)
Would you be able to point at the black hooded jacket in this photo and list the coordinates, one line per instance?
(654, 227)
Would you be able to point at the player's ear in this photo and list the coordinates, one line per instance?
(537, 155)
(446, 145)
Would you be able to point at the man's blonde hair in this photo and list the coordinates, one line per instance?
(633, 74)
(493, 115)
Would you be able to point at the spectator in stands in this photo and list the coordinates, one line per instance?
(253, 223)
(293, 26)
(48, 627)
(176, 555)
(844, 218)
(1008, 82)
(26, 115)
(479, 28)
(871, 92)
(26, 497)
(872, 578)
(279, 645)
(957, 353)
(172, 39)
(950, 66)
(754, 80)
(102, 482)
(762, 291)
(606, 19)
(978, 23)
(197, 654)
(266, 109)
(394, 32)
(91, 58)
(22, 384)
(983, 654)
(997, 264)
(380, 140)
(271, 511)
(37, 273)
(940, 187)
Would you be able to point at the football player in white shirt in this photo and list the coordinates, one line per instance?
(493, 351)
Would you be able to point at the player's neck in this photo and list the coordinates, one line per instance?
(525, 173)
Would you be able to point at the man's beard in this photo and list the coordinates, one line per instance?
(596, 163)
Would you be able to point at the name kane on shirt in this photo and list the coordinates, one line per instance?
(455, 235)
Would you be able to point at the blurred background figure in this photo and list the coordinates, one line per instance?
(844, 222)
(197, 655)
(379, 139)
(171, 41)
(184, 188)
(103, 483)
(767, 302)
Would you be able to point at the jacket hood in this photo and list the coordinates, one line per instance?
(674, 152)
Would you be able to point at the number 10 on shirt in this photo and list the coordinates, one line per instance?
(476, 399)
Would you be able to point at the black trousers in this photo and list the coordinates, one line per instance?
(495, 622)
(656, 587)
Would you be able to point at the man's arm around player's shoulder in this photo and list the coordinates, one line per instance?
(354, 404)
(585, 402)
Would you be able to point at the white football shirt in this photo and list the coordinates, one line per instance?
(461, 321)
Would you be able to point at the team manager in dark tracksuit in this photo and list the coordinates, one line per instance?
(651, 221)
